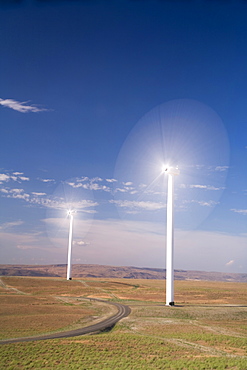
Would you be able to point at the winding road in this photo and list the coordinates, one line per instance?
(105, 324)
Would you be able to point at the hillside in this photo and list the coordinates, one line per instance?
(103, 271)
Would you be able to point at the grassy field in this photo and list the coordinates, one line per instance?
(207, 329)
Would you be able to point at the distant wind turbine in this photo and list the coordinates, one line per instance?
(70, 214)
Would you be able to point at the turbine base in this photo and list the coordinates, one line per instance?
(171, 304)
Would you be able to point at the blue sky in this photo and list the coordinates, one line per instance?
(94, 97)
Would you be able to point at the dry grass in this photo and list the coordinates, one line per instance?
(186, 292)
(39, 305)
(206, 330)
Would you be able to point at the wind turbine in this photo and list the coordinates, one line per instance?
(70, 214)
(171, 172)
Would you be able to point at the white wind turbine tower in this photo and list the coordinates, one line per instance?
(70, 214)
(171, 172)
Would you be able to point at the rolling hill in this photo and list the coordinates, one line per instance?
(103, 271)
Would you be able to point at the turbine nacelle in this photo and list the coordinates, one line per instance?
(70, 212)
(170, 170)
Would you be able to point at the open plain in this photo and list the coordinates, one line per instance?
(207, 329)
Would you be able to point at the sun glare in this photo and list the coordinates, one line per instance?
(67, 201)
(183, 134)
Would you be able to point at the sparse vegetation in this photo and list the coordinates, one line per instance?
(206, 330)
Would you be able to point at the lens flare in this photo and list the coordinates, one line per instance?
(183, 134)
(67, 200)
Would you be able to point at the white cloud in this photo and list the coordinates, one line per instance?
(4, 177)
(47, 180)
(241, 211)
(132, 192)
(4, 190)
(23, 196)
(15, 176)
(74, 185)
(121, 190)
(81, 243)
(111, 180)
(198, 186)
(16, 191)
(94, 186)
(231, 262)
(20, 106)
(84, 178)
(128, 183)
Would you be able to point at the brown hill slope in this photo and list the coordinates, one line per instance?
(128, 272)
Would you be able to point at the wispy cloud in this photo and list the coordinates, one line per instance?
(89, 184)
(25, 247)
(82, 205)
(42, 200)
(47, 180)
(209, 203)
(206, 187)
(141, 205)
(97, 183)
(203, 167)
(135, 243)
(38, 194)
(241, 211)
(221, 168)
(8, 225)
(121, 190)
(96, 179)
(20, 106)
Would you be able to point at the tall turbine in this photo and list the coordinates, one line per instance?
(70, 214)
(171, 172)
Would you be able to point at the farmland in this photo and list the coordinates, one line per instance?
(207, 329)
